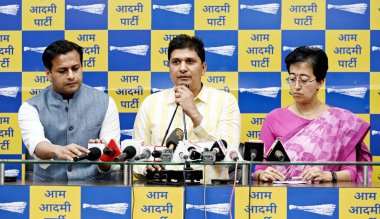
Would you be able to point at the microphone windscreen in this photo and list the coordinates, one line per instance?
(174, 138)
(94, 154)
(156, 154)
(112, 146)
(130, 151)
(279, 155)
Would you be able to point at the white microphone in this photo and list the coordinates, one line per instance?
(233, 155)
(144, 155)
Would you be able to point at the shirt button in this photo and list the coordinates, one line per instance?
(67, 109)
(71, 128)
(69, 168)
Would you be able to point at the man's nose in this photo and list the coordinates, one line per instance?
(70, 74)
(183, 66)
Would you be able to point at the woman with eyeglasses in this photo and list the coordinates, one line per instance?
(311, 130)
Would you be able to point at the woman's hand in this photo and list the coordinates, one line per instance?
(270, 174)
(315, 174)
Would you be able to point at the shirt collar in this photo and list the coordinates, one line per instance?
(59, 96)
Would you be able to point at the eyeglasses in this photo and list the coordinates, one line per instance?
(301, 82)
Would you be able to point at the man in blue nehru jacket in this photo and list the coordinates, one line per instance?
(59, 123)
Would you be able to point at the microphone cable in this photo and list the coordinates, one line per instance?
(184, 190)
(184, 119)
(233, 189)
(250, 187)
(184, 124)
(170, 124)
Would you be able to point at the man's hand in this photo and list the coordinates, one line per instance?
(185, 98)
(70, 151)
(97, 141)
(153, 168)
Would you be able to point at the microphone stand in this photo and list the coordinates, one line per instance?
(184, 125)
(170, 123)
(184, 118)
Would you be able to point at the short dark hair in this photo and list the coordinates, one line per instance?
(183, 41)
(316, 57)
(57, 48)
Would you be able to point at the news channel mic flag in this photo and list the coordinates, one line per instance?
(125, 53)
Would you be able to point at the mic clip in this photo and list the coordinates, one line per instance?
(167, 155)
(208, 157)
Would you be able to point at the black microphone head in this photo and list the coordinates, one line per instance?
(130, 151)
(156, 154)
(174, 138)
(108, 151)
(94, 154)
(195, 155)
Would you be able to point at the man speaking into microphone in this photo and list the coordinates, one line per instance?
(210, 114)
(60, 121)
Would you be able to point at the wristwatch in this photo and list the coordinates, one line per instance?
(334, 177)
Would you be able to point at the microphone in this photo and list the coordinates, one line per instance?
(183, 156)
(253, 150)
(253, 154)
(145, 154)
(279, 155)
(94, 154)
(194, 154)
(110, 152)
(184, 118)
(165, 155)
(277, 152)
(174, 138)
(219, 153)
(234, 155)
(128, 153)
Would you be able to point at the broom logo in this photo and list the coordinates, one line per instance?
(266, 91)
(324, 209)
(127, 132)
(9, 91)
(9, 9)
(290, 48)
(266, 8)
(116, 208)
(92, 9)
(179, 9)
(222, 50)
(359, 8)
(140, 50)
(35, 49)
(358, 92)
(375, 48)
(222, 208)
(16, 207)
